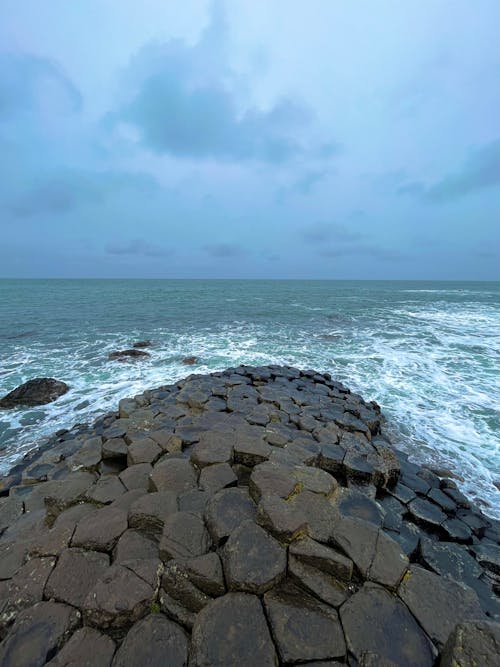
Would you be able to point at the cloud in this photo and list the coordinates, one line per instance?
(28, 83)
(137, 247)
(307, 181)
(364, 250)
(321, 232)
(188, 102)
(67, 189)
(480, 170)
(224, 250)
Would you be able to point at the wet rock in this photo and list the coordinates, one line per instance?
(281, 519)
(206, 573)
(444, 501)
(426, 513)
(271, 478)
(322, 557)
(379, 626)
(457, 530)
(320, 512)
(149, 513)
(324, 586)
(100, 530)
(116, 448)
(107, 489)
(389, 562)
(253, 560)
(86, 648)
(430, 598)
(176, 475)
(239, 618)
(177, 584)
(133, 353)
(303, 627)
(88, 456)
(142, 343)
(227, 510)
(144, 450)
(37, 391)
(471, 644)
(190, 361)
(184, 536)
(488, 555)
(37, 633)
(154, 641)
(352, 503)
(75, 574)
(448, 558)
(358, 539)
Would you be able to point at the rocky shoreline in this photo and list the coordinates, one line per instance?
(257, 516)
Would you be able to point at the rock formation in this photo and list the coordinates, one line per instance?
(257, 516)
(37, 391)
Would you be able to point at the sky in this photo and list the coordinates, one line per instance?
(250, 139)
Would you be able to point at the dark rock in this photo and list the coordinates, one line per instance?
(402, 493)
(194, 501)
(430, 598)
(38, 391)
(144, 450)
(122, 355)
(142, 343)
(86, 648)
(472, 644)
(251, 451)
(271, 478)
(322, 557)
(379, 626)
(10, 510)
(206, 573)
(358, 539)
(37, 633)
(253, 560)
(281, 519)
(88, 455)
(303, 628)
(116, 448)
(154, 641)
(177, 584)
(212, 448)
(408, 537)
(216, 477)
(240, 620)
(107, 489)
(448, 558)
(457, 530)
(75, 574)
(100, 530)
(488, 555)
(426, 513)
(227, 510)
(62, 494)
(184, 536)
(190, 361)
(324, 586)
(137, 476)
(389, 562)
(176, 611)
(320, 511)
(149, 513)
(442, 499)
(352, 503)
(176, 475)
(134, 545)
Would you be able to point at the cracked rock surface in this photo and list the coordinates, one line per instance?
(256, 516)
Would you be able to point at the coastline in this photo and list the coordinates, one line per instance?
(167, 496)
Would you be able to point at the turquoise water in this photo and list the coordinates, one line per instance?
(428, 352)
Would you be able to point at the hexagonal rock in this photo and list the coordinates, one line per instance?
(105, 490)
(253, 561)
(86, 648)
(134, 545)
(64, 493)
(438, 602)
(12, 557)
(143, 450)
(281, 519)
(75, 574)
(137, 476)
(322, 585)
(10, 510)
(270, 478)
(426, 513)
(232, 630)
(350, 502)
(216, 477)
(24, 589)
(154, 641)
(389, 562)
(116, 448)
(471, 644)
(358, 539)
(206, 573)
(176, 583)
(315, 480)
(322, 557)
(184, 536)
(250, 450)
(227, 510)
(37, 633)
(174, 475)
(320, 512)
(100, 530)
(378, 625)
(149, 513)
(303, 627)
(213, 448)
(448, 558)
(119, 598)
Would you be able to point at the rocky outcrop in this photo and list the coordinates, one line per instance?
(257, 516)
(190, 361)
(133, 353)
(37, 391)
(142, 343)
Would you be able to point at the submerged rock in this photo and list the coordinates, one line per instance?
(38, 391)
(142, 343)
(190, 361)
(121, 355)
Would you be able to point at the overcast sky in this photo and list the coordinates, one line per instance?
(250, 139)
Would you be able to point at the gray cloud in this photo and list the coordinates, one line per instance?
(225, 250)
(321, 232)
(364, 250)
(26, 81)
(138, 247)
(187, 102)
(67, 189)
(481, 170)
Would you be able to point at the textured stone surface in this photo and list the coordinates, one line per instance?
(154, 641)
(184, 536)
(240, 620)
(86, 648)
(100, 530)
(227, 510)
(75, 574)
(473, 644)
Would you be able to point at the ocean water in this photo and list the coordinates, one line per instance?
(427, 352)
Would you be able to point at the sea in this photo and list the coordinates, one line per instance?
(427, 352)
